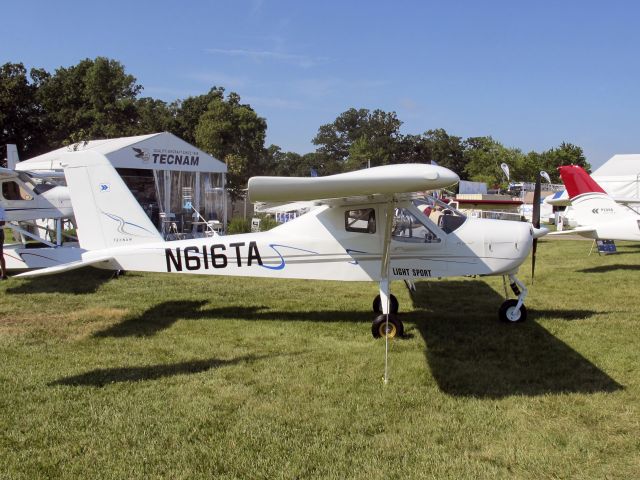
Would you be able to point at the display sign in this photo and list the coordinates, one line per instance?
(606, 247)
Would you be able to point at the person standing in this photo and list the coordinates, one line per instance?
(3, 267)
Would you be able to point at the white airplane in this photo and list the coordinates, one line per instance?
(32, 205)
(25, 199)
(596, 214)
(367, 228)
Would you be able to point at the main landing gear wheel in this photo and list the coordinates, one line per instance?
(393, 304)
(508, 313)
(379, 326)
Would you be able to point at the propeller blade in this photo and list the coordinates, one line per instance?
(536, 223)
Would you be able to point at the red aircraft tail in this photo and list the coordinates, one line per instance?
(578, 181)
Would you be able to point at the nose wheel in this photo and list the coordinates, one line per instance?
(512, 310)
(510, 313)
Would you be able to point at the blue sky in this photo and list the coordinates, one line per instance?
(531, 75)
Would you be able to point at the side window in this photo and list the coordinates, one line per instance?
(361, 221)
(13, 191)
(407, 228)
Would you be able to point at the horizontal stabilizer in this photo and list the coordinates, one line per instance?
(65, 267)
(387, 179)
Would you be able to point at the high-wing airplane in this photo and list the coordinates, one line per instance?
(367, 228)
(25, 199)
(595, 213)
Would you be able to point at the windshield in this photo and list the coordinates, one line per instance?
(39, 185)
(442, 214)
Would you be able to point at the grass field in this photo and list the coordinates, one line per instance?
(168, 376)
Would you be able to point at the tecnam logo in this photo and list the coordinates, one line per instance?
(141, 153)
(104, 187)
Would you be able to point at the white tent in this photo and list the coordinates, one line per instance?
(157, 151)
(620, 176)
(168, 176)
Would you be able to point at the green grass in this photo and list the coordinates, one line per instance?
(169, 376)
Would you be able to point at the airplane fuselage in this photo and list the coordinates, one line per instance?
(319, 246)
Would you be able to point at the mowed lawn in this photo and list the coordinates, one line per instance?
(170, 376)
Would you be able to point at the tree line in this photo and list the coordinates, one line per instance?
(41, 111)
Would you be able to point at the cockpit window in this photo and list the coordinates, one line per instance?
(39, 185)
(408, 228)
(13, 191)
(362, 220)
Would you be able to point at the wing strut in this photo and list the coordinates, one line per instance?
(384, 280)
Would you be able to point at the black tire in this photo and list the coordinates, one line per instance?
(394, 304)
(396, 328)
(507, 314)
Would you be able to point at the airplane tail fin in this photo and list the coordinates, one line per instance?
(12, 156)
(106, 212)
(578, 181)
(590, 204)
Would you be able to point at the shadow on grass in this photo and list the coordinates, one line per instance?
(610, 268)
(164, 315)
(156, 319)
(79, 282)
(104, 376)
(471, 353)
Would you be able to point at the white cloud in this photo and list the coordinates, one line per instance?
(267, 55)
(321, 87)
(273, 102)
(409, 104)
(218, 79)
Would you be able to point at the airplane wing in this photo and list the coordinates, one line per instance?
(626, 201)
(383, 181)
(6, 173)
(65, 267)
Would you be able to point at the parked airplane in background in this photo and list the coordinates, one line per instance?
(367, 227)
(30, 196)
(594, 212)
(24, 198)
(35, 208)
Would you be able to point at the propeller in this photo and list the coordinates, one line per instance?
(535, 220)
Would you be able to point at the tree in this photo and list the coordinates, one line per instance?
(20, 113)
(154, 116)
(227, 128)
(188, 113)
(484, 155)
(446, 150)
(411, 149)
(95, 97)
(359, 137)
(565, 154)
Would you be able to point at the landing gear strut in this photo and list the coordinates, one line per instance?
(512, 310)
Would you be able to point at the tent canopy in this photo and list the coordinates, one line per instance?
(620, 176)
(157, 151)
